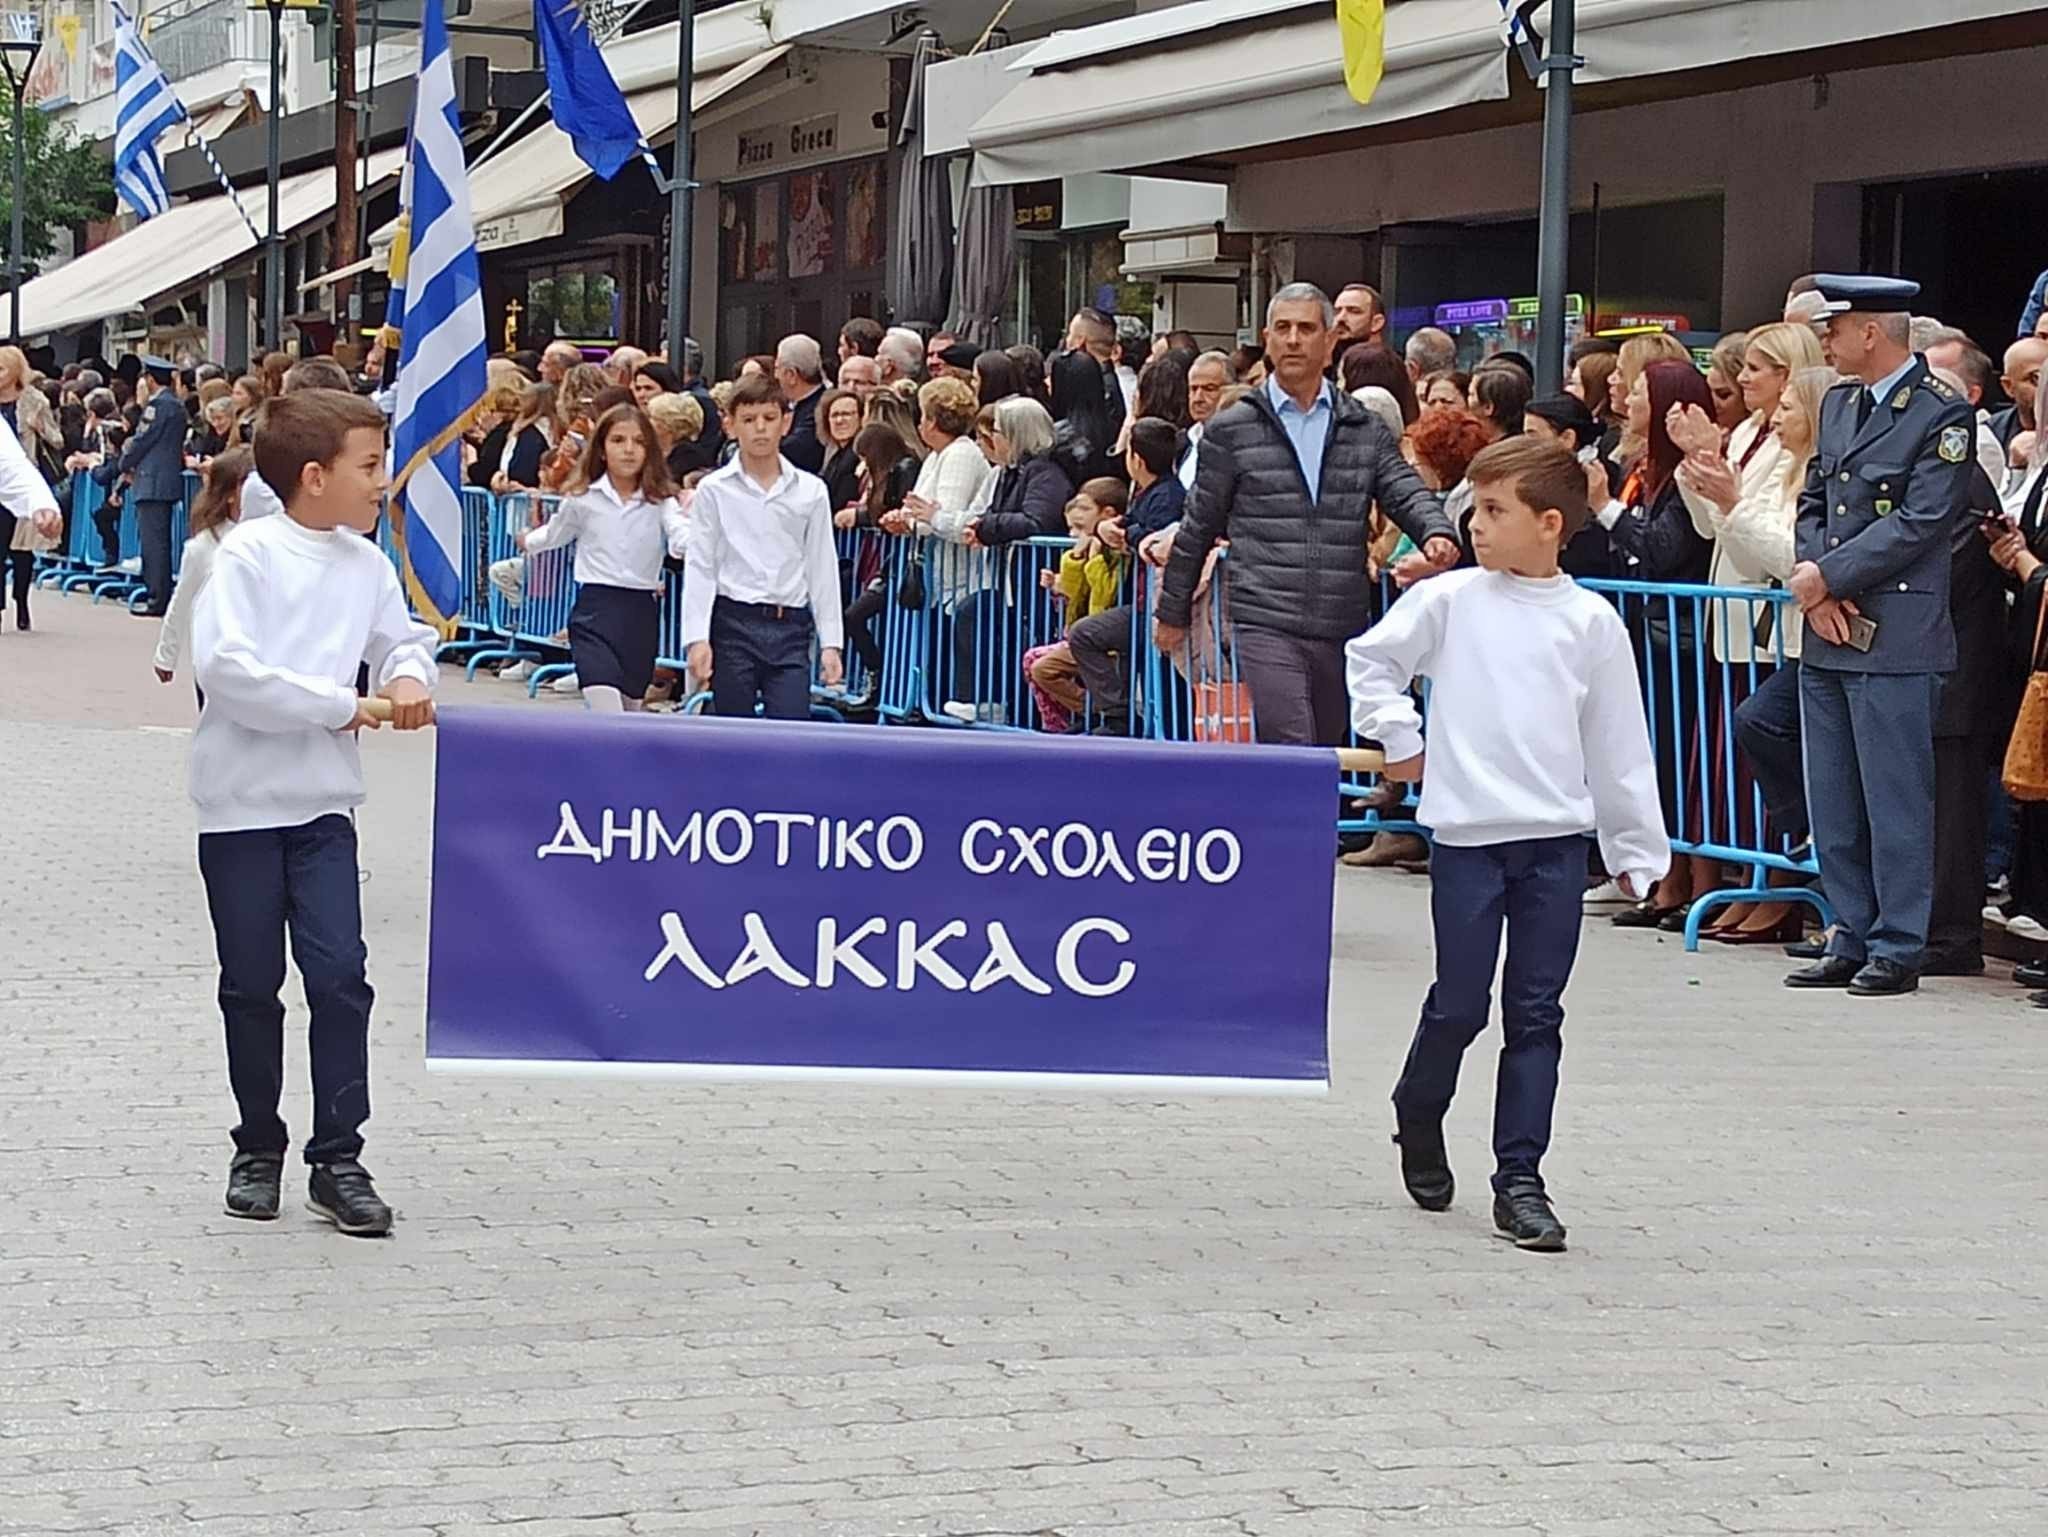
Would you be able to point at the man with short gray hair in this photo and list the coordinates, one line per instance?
(901, 354)
(800, 371)
(1430, 351)
(1289, 475)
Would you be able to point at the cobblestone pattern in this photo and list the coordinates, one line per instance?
(1805, 1293)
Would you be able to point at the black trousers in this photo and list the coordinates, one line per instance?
(860, 616)
(153, 520)
(107, 519)
(1530, 891)
(1767, 727)
(1297, 686)
(1955, 927)
(263, 886)
(22, 563)
(760, 655)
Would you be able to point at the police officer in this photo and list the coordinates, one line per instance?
(1889, 478)
(154, 462)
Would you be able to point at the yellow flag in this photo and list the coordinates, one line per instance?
(1363, 26)
(67, 33)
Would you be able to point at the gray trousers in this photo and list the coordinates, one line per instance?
(1870, 794)
(1297, 686)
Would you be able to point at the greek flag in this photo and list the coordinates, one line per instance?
(144, 106)
(441, 379)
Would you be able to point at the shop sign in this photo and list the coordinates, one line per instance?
(1472, 312)
(806, 139)
(1038, 205)
(1532, 308)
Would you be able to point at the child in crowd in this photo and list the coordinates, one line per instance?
(1101, 643)
(214, 514)
(763, 572)
(620, 509)
(1537, 738)
(1088, 581)
(296, 605)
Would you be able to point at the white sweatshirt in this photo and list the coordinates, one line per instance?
(195, 566)
(1536, 726)
(277, 636)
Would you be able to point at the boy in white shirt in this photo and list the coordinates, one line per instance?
(296, 605)
(1536, 738)
(761, 579)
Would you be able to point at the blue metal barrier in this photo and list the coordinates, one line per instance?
(1712, 806)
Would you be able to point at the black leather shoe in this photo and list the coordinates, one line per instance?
(343, 1194)
(252, 1185)
(1807, 950)
(1881, 978)
(1522, 1213)
(1425, 1169)
(1828, 971)
(2031, 974)
(1955, 964)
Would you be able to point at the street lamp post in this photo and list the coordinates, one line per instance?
(273, 241)
(21, 34)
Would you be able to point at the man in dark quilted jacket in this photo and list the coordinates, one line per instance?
(1289, 477)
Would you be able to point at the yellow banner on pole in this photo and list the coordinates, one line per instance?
(1362, 24)
(67, 33)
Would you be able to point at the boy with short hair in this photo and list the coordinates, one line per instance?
(1536, 738)
(1101, 643)
(296, 605)
(761, 576)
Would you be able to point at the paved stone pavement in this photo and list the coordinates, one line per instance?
(1805, 1293)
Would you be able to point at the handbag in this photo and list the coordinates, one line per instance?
(910, 590)
(2026, 755)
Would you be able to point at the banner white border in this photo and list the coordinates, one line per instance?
(878, 1077)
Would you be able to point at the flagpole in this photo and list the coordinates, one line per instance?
(682, 189)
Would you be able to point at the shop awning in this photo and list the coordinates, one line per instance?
(1188, 89)
(171, 252)
(518, 194)
(1167, 88)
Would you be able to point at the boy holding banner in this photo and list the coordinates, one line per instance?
(1537, 739)
(761, 579)
(296, 605)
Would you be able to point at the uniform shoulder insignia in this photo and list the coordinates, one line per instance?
(1940, 387)
(1954, 444)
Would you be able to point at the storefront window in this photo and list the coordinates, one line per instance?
(579, 303)
(802, 252)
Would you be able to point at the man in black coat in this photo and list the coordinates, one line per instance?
(154, 462)
(1289, 476)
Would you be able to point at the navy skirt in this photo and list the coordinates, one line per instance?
(613, 635)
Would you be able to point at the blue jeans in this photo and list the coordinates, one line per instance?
(260, 886)
(1533, 890)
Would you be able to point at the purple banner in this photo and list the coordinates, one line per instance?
(729, 898)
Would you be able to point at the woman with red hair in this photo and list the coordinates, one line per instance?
(1654, 540)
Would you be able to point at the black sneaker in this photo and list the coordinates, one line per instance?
(343, 1194)
(1522, 1212)
(1425, 1169)
(253, 1179)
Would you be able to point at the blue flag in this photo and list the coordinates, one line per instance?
(585, 99)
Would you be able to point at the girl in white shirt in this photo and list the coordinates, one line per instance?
(620, 510)
(215, 511)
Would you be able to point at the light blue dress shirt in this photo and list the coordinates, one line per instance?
(1307, 430)
(1881, 392)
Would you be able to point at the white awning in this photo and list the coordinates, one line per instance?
(1211, 78)
(518, 195)
(176, 249)
(1172, 87)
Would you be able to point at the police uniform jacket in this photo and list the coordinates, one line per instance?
(1879, 505)
(155, 456)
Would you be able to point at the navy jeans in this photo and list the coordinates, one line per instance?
(261, 885)
(1533, 889)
